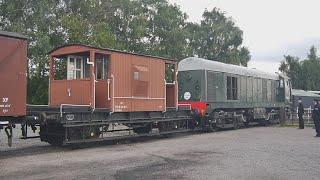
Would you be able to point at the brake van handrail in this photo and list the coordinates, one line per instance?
(141, 98)
(188, 105)
(165, 95)
(108, 81)
(112, 76)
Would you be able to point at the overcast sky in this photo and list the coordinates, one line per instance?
(271, 28)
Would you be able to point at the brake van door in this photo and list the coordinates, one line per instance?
(102, 82)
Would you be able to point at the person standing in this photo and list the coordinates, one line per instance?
(300, 114)
(316, 116)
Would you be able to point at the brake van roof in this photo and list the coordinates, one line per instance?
(193, 63)
(76, 45)
(12, 35)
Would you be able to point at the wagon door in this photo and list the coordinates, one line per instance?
(102, 82)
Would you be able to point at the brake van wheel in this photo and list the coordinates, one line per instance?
(55, 141)
(52, 134)
(143, 129)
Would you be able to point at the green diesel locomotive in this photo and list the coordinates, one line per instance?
(224, 95)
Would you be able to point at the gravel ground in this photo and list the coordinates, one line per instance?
(254, 153)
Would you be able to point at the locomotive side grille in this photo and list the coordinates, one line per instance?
(243, 89)
(264, 90)
(211, 86)
(250, 89)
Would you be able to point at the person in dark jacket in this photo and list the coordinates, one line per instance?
(316, 116)
(300, 114)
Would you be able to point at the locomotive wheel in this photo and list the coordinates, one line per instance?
(192, 124)
(267, 122)
(214, 127)
(246, 122)
(235, 124)
(249, 118)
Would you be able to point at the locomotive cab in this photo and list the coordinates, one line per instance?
(284, 89)
(191, 91)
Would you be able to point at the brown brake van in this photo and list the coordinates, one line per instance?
(13, 70)
(102, 78)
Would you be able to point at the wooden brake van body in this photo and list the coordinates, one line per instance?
(95, 91)
(110, 79)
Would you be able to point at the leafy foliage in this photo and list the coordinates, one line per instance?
(219, 39)
(152, 27)
(304, 74)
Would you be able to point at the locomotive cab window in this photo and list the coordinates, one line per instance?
(232, 88)
(281, 83)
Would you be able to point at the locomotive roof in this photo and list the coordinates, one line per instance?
(193, 63)
(12, 35)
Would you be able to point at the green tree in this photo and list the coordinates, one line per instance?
(292, 67)
(152, 27)
(310, 69)
(304, 74)
(218, 38)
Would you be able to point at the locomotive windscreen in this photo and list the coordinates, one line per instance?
(191, 86)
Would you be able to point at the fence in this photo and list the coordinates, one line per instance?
(307, 116)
